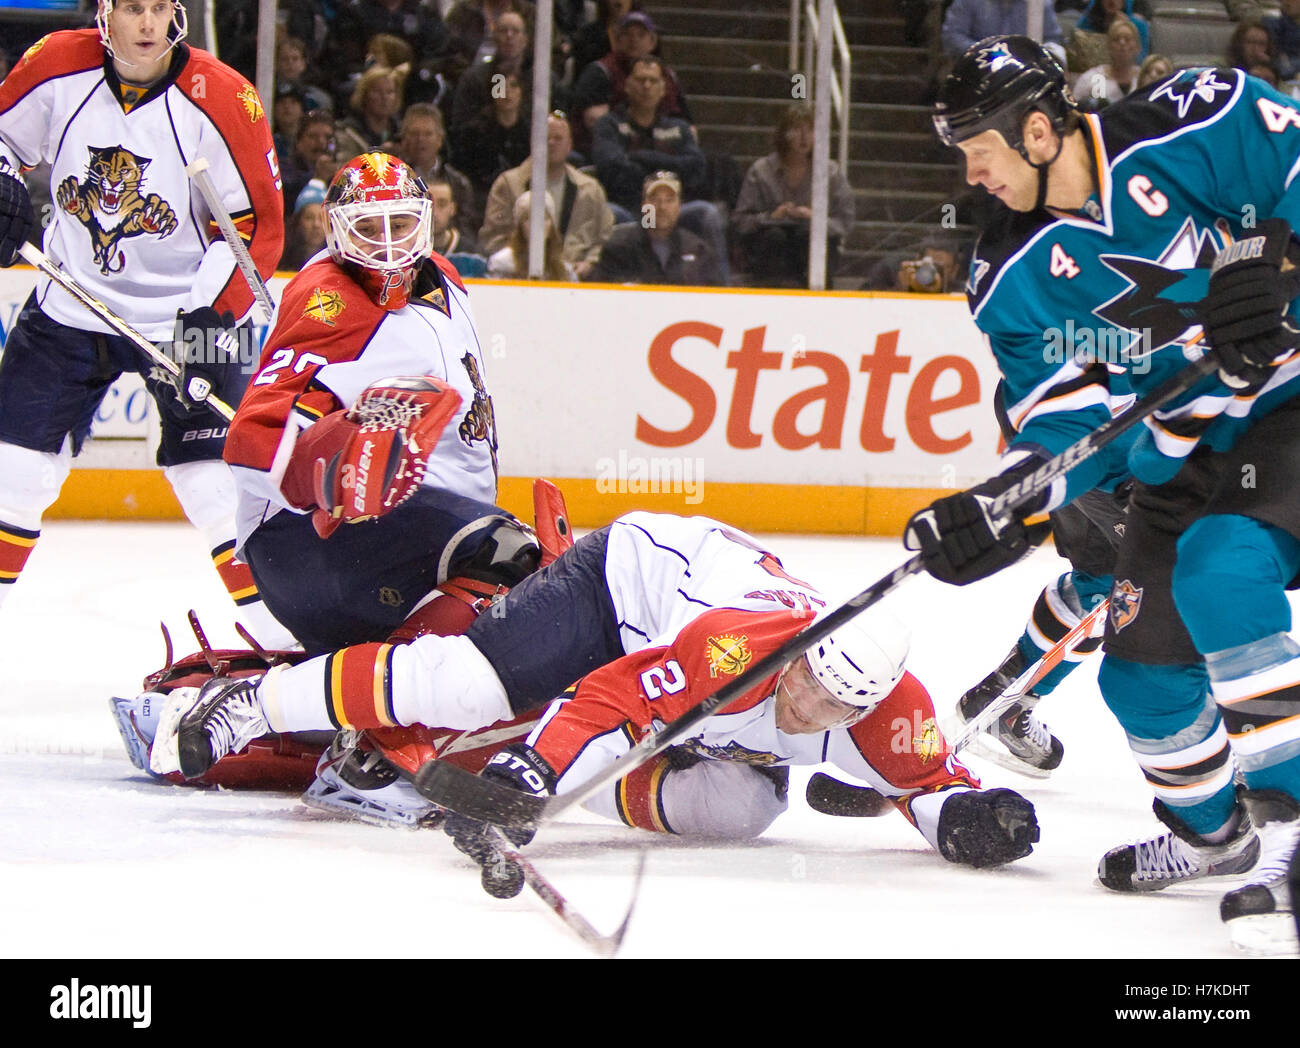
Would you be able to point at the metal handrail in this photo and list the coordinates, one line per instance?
(841, 90)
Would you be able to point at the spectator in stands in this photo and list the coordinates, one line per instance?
(314, 156)
(1087, 46)
(1251, 48)
(373, 121)
(1155, 68)
(286, 117)
(291, 71)
(482, 82)
(935, 268)
(583, 216)
(420, 144)
(448, 236)
(1284, 28)
(306, 229)
(772, 217)
(512, 260)
(603, 84)
(969, 21)
(470, 23)
(595, 40)
(495, 140)
(656, 249)
(634, 140)
(357, 21)
(1099, 86)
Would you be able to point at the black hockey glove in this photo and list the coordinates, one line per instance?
(984, 828)
(16, 217)
(960, 542)
(1245, 312)
(520, 767)
(206, 345)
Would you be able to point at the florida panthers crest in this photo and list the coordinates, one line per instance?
(111, 203)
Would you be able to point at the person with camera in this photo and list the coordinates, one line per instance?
(773, 214)
(314, 156)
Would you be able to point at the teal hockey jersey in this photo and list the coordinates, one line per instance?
(1084, 311)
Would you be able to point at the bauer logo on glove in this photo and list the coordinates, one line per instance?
(361, 463)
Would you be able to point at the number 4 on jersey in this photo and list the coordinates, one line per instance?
(1061, 264)
(1277, 117)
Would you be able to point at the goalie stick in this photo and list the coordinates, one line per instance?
(830, 796)
(34, 256)
(452, 787)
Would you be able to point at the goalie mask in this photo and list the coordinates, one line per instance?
(379, 224)
(176, 31)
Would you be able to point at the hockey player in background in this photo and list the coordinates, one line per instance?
(367, 503)
(648, 616)
(118, 114)
(1129, 222)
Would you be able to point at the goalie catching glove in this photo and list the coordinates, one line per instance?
(519, 767)
(362, 463)
(959, 540)
(1245, 313)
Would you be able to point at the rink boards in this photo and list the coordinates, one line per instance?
(800, 411)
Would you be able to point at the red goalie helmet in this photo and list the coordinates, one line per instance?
(379, 219)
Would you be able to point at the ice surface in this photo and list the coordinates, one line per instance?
(88, 845)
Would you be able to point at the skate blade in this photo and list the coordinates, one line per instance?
(1265, 935)
(356, 809)
(986, 747)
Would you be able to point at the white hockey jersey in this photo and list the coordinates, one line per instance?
(127, 223)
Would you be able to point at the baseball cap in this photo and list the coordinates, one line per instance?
(638, 18)
(662, 178)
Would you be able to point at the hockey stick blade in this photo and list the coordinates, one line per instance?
(604, 945)
(830, 796)
(452, 787)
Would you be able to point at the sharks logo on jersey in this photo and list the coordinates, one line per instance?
(111, 204)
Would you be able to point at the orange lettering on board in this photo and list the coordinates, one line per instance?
(922, 406)
(682, 381)
(834, 393)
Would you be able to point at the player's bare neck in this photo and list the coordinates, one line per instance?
(1071, 180)
(141, 77)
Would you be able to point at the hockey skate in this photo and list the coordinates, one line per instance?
(1015, 739)
(1260, 915)
(137, 720)
(1180, 855)
(356, 780)
(197, 728)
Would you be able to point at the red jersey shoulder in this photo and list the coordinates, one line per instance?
(448, 270)
(323, 304)
(230, 101)
(723, 643)
(58, 54)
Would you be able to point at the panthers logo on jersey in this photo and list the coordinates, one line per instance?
(728, 654)
(110, 203)
(479, 422)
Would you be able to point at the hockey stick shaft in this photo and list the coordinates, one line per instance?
(1026, 681)
(198, 173)
(605, 945)
(456, 789)
(34, 256)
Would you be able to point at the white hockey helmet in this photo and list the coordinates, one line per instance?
(175, 34)
(861, 662)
